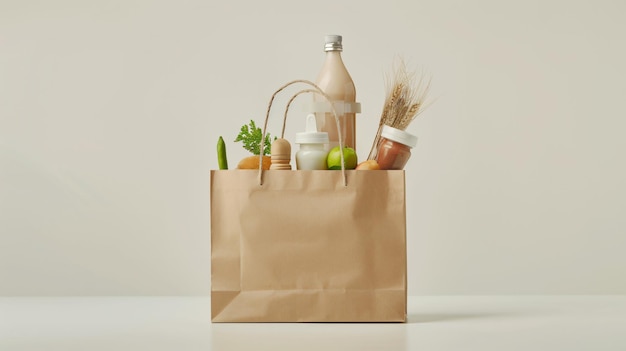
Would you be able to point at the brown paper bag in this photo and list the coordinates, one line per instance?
(308, 246)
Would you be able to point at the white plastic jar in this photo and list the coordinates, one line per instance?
(312, 153)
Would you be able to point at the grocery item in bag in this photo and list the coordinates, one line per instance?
(337, 83)
(312, 153)
(395, 148)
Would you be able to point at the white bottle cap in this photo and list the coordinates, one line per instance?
(311, 135)
(333, 43)
(399, 136)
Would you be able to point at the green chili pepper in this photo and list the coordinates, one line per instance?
(221, 154)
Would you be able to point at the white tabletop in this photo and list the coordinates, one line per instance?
(435, 323)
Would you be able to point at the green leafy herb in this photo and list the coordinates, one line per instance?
(251, 137)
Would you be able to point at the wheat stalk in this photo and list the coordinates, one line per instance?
(404, 101)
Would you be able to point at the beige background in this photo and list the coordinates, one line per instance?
(110, 112)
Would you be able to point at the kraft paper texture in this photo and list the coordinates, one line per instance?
(303, 247)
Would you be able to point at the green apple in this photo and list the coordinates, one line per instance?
(333, 160)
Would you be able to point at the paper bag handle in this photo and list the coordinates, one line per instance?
(317, 90)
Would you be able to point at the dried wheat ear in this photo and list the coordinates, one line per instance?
(404, 101)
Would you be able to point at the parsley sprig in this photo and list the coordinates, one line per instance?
(251, 137)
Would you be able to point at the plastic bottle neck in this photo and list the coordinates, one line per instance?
(333, 59)
(335, 54)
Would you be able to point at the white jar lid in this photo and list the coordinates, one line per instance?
(399, 136)
(311, 135)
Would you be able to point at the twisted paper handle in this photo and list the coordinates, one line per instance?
(316, 90)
